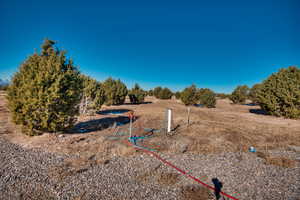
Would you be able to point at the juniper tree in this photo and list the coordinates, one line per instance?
(136, 94)
(279, 95)
(93, 94)
(240, 94)
(165, 93)
(189, 95)
(177, 95)
(115, 91)
(150, 92)
(44, 93)
(253, 93)
(207, 97)
(157, 91)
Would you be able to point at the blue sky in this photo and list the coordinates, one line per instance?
(215, 44)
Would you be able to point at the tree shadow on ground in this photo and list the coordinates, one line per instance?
(113, 111)
(250, 104)
(146, 102)
(258, 111)
(99, 124)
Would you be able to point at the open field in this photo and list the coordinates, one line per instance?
(87, 163)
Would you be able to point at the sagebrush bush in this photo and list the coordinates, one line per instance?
(280, 93)
(45, 92)
(115, 91)
(189, 96)
(240, 94)
(137, 94)
(207, 98)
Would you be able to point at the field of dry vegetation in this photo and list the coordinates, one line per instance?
(212, 132)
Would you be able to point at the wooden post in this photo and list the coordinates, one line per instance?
(131, 116)
(130, 127)
(188, 118)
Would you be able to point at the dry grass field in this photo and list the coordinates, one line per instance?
(226, 128)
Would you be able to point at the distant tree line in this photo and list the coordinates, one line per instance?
(48, 92)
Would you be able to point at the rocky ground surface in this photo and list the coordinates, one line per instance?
(34, 174)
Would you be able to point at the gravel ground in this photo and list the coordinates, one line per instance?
(33, 174)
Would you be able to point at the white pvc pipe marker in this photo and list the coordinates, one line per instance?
(169, 120)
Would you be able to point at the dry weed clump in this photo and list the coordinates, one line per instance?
(168, 178)
(194, 192)
(278, 161)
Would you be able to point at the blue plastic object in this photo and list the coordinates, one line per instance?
(252, 150)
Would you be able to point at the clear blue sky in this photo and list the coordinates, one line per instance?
(215, 44)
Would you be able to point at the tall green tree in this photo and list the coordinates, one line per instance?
(240, 94)
(115, 91)
(279, 95)
(45, 92)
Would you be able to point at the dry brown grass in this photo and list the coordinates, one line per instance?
(163, 178)
(278, 161)
(168, 178)
(194, 192)
(227, 128)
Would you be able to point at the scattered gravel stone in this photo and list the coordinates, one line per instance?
(34, 174)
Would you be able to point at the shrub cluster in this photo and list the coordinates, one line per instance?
(240, 94)
(45, 93)
(279, 95)
(136, 94)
